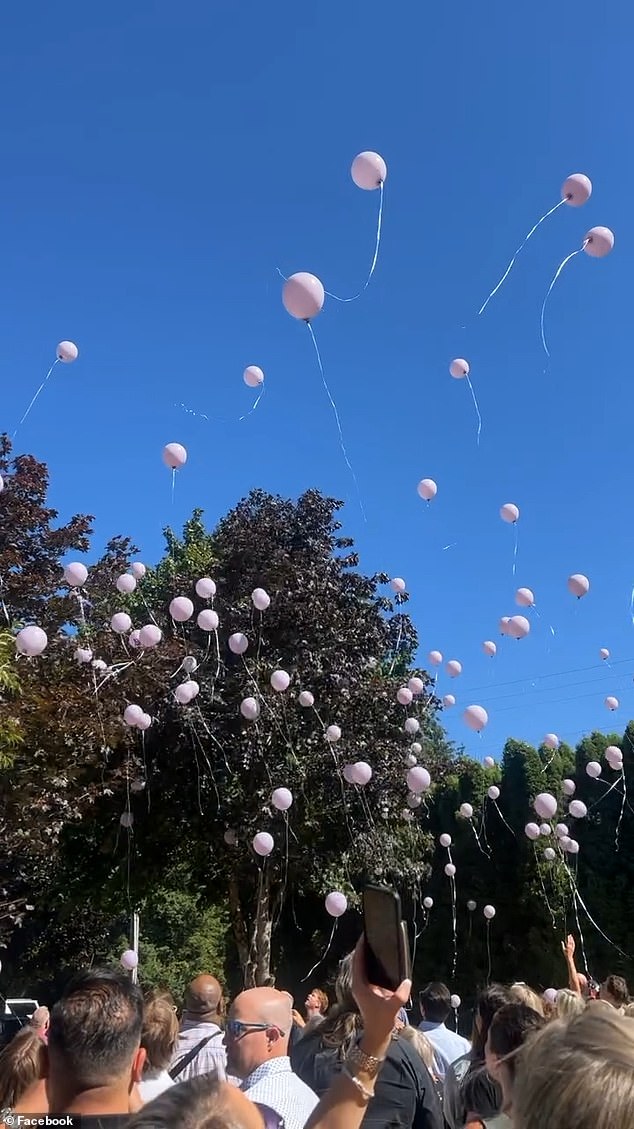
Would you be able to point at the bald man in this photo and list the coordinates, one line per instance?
(200, 1048)
(257, 1034)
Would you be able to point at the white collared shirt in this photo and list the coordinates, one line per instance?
(211, 1059)
(276, 1085)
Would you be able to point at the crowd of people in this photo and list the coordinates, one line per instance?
(111, 1058)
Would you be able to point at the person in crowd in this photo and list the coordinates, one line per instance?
(257, 1036)
(568, 1004)
(435, 1006)
(209, 1103)
(468, 1076)
(520, 993)
(94, 1053)
(577, 982)
(40, 1020)
(510, 1027)
(316, 1004)
(614, 991)
(577, 1075)
(22, 1068)
(159, 1038)
(421, 1044)
(200, 1048)
(404, 1093)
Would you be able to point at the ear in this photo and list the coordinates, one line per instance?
(273, 1035)
(138, 1063)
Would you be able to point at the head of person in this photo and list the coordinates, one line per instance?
(22, 1062)
(510, 1027)
(204, 1103)
(577, 1074)
(614, 991)
(435, 1002)
(521, 994)
(159, 1034)
(203, 1000)
(257, 1030)
(94, 1039)
(421, 1044)
(568, 1004)
(489, 1001)
(316, 1003)
(343, 1022)
(40, 1020)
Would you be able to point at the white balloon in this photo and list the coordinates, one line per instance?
(120, 623)
(398, 585)
(569, 787)
(280, 681)
(412, 725)
(250, 709)
(428, 903)
(75, 574)
(306, 699)
(404, 696)
(205, 588)
(253, 376)
(208, 620)
(333, 733)
(489, 912)
(150, 635)
(67, 352)
(466, 811)
(138, 570)
(593, 769)
(238, 643)
(260, 599)
(455, 1001)
(125, 583)
(445, 840)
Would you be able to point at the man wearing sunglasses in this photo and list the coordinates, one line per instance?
(256, 1037)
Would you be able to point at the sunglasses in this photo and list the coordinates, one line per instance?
(272, 1120)
(235, 1029)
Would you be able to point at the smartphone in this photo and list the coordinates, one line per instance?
(386, 945)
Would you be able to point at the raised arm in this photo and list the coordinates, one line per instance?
(568, 947)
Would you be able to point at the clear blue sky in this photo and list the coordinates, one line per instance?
(161, 160)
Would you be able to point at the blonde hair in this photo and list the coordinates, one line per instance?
(579, 1073)
(421, 1045)
(160, 1031)
(21, 1064)
(522, 994)
(569, 1004)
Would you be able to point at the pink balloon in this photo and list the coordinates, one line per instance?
(414, 801)
(31, 641)
(488, 762)
(418, 780)
(427, 489)
(614, 757)
(509, 513)
(368, 171)
(466, 811)
(531, 831)
(129, 960)
(174, 456)
(550, 854)
(260, 599)
(571, 846)
(263, 843)
(306, 699)
(568, 787)
(120, 623)
(450, 870)
(347, 773)
(1, 483)
(205, 588)
(551, 741)
(333, 733)
(489, 648)
(280, 681)
(445, 840)
(524, 598)
(459, 368)
(253, 376)
(282, 799)
(412, 726)
(416, 685)
(561, 830)
(519, 627)
(181, 609)
(150, 635)
(448, 701)
(303, 296)
(489, 912)
(132, 715)
(545, 805)
(138, 570)
(435, 658)
(67, 352)
(598, 242)
(604, 653)
(336, 903)
(576, 189)
(428, 903)
(208, 620)
(186, 692)
(361, 773)
(238, 643)
(475, 717)
(250, 709)
(75, 574)
(545, 829)
(83, 655)
(577, 809)
(453, 668)
(404, 696)
(593, 769)
(397, 584)
(612, 703)
(144, 722)
(99, 664)
(504, 625)
(578, 585)
(493, 792)
(125, 583)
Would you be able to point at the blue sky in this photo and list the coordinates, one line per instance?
(161, 161)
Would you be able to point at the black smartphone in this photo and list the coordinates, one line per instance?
(387, 956)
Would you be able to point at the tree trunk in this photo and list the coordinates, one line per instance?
(239, 928)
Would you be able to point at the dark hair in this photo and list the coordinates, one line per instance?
(617, 988)
(96, 1026)
(435, 1001)
(510, 1027)
(198, 1102)
(490, 1000)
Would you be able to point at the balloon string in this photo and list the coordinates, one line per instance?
(489, 963)
(336, 415)
(477, 839)
(549, 291)
(521, 246)
(454, 918)
(495, 805)
(323, 955)
(477, 410)
(374, 260)
(617, 843)
(40, 389)
(517, 537)
(541, 882)
(221, 419)
(584, 907)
